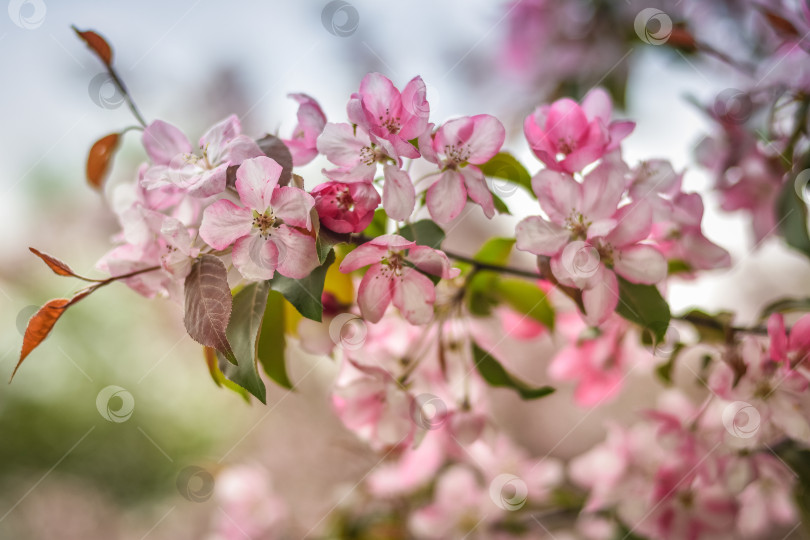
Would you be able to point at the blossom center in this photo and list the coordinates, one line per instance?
(392, 264)
(457, 153)
(344, 201)
(389, 122)
(566, 145)
(264, 222)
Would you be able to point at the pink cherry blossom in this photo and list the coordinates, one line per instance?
(372, 404)
(457, 147)
(354, 151)
(598, 363)
(200, 175)
(248, 505)
(461, 508)
(755, 188)
(152, 239)
(391, 280)
(311, 121)
(568, 137)
(771, 387)
(663, 479)
(588, 238)
(271, 231)
(680, 237)
(389, 115)
(346, 208)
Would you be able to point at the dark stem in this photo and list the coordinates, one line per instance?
(120, 84)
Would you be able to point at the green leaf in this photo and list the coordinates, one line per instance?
(495, 375)
(664, 371)
(495, 251)
(243, 333)
(326, 241)
(677, 266)
(377, 226)
(305, 294)
(527, 298)
(212, 360)
(424, 233)
(644, 305)
(792, 213)
(710, 328)
(500, 206)
(480, 293)
(272, 341)
(505, 166)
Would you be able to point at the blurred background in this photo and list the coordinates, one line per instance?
(81, 460)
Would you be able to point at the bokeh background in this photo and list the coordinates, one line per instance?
(66, 471)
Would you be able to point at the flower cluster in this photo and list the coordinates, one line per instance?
(354, 267)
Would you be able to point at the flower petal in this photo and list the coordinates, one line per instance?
(223, 223)
(447, 197)
(557, 193)
(601, 298)
(633, 224)
(215, 139)
(256, 179)
(293, 205)
(432, 261)
(342, 143)
(254, 257)
(641, 264)
(778, 337)
(477, 189)
(163, 142)
(374, 293)
(536, 235)
(414, 295)
(363, 255)
(399, 195)
(297, 256)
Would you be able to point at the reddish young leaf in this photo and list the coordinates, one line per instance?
(43, 321)
(681, 38)
(58, 267)
(99, 158)
(781, 25)
(97, 44)
(209, 304)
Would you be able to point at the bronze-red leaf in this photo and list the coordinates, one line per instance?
(99, 158)
(97, 44)
(209, 304)
(53, 263)
(43, 321)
